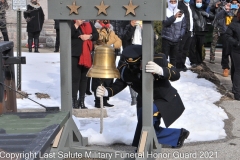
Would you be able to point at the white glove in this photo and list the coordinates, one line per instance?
(100, 92)
(154, 68)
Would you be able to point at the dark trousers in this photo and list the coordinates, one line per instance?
(196, 49)
(226, 50)
(57, 43)
(33, 35)
(4, 29)
(170, 49)
(97, 82)
(167, 136)
(183, 50)
(235, 54)
(79, 78)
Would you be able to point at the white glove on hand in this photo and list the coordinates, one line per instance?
(154, 68)
(100, 92)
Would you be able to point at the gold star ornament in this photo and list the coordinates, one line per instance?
(73, 8)
(130, 8)
(102, 8)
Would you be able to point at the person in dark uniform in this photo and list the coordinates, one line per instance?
(34, 17)
(167, 102)
(233, 37)
(57, 42)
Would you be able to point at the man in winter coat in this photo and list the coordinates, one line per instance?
(221, 23)
(174, 28)
(167, 103)
(34, 17)
(200, 17)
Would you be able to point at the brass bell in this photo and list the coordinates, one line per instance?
(104, 63)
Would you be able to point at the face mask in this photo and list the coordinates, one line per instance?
(198, 5)
(186, 1)
(172, 5)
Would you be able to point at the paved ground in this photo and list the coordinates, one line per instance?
(227, 148)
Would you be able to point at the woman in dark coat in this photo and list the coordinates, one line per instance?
(233, 37)
(82, 35)
(34, 17)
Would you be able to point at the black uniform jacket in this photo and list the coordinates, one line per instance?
(165, 96)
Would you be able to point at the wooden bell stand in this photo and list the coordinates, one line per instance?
(147, 11)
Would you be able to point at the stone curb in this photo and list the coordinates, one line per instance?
(80, 113)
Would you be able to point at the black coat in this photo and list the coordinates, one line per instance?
(36, 15)
(128, 33)
(184, 8)
(233, 35)
(220, 20)
(78, 42)
(118, 27)
(165, 96)
(200, 21)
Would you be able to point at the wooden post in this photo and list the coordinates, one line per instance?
(7, 76)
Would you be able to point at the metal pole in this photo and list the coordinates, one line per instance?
(147, 79)
(66, 66)
(19, 52)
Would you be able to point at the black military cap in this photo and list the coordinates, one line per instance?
(132, 54)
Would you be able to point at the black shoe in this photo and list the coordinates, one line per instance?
(30, 50)
(84, 107)
(56, 50)
(107, 104)
(211, 61)
(97, 105)
(181, 69)
(236, 97)
(81, 103)
(88, 93)
(183, 135)
(75, 103)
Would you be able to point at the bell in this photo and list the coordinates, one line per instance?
(104, 63)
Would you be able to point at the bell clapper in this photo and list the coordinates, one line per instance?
(101, 110)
